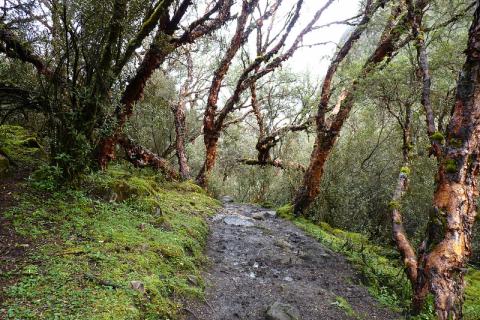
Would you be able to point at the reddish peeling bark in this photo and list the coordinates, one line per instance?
(180, 123)
(457, 191)
(142, 157)
(328, 130)
(441, 261)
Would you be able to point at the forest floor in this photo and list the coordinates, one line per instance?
(257, 259)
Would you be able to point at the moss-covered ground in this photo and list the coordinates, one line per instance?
(93, 240)
(380, 267)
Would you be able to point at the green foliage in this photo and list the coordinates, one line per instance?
(89, 249)
(47, 178)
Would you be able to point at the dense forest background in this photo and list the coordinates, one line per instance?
(361, 173)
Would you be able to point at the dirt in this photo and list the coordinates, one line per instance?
(260, 262)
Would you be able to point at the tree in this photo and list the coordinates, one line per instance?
(328, 130)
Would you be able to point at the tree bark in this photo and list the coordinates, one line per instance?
(180, 123)
(142, 157)
(211, 132)
(455, 197)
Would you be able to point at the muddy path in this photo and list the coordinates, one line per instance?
(257, 260)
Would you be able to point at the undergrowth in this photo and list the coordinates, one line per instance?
(380, 267)
(92, 241)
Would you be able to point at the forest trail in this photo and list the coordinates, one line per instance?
(257, 259)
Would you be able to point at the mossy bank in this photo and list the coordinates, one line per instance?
(123, 244)
(380, 267)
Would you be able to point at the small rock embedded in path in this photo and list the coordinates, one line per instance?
(258, 215)
(238, 221)
(138, 286)
(227, 199)
(282, 311)
(270, 214)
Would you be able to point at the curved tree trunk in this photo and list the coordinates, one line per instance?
(328, 133)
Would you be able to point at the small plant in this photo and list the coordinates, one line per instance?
(47, 178)
(343, 304)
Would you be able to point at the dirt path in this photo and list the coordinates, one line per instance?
(257, 262)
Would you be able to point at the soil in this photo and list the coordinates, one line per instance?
(255, 263)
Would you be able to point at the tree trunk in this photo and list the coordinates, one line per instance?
(134, 91)
(310, 188)
(328, 133)
(179, 114)
(456, 193)
(211, 142)
(142, 157)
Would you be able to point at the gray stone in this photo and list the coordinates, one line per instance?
(282, 244)
(227, 199)
(238, 221)
(270, 214)
(137, 286)
(258, 215)
(282, 311)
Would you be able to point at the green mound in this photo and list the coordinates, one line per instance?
(124, 245)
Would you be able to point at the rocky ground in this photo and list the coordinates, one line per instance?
(263, 267)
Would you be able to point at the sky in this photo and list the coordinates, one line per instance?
(316, 59)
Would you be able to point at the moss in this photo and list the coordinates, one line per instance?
(450, 165)
(285, 211)
(87, 242)
(19, 145)
(394, 205)
(472, 295)
(456, 143)
(437, 136)
(405, 170)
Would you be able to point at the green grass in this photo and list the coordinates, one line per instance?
(380, 267)
(89, 249)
